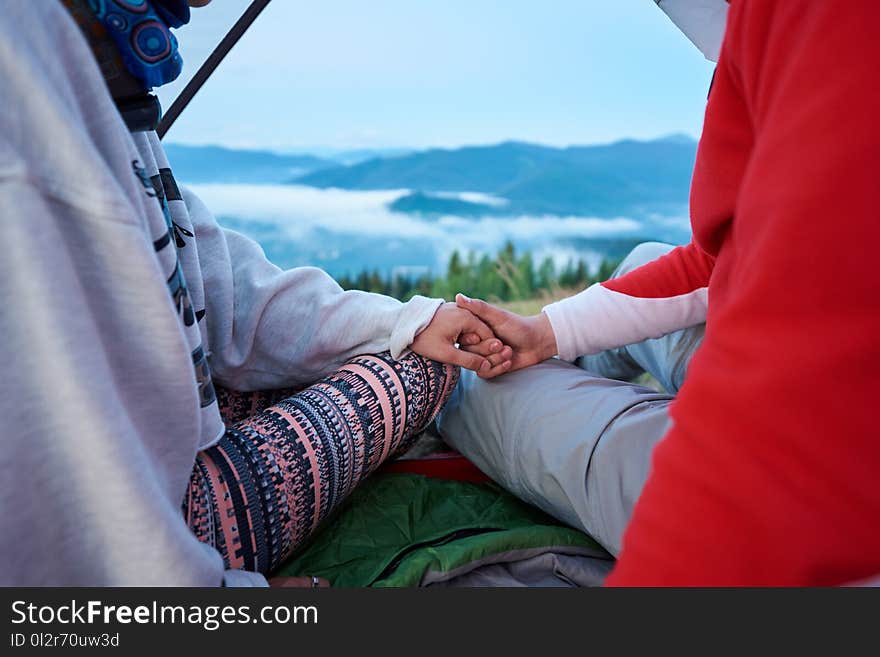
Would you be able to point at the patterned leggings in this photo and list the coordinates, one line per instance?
(288, 458)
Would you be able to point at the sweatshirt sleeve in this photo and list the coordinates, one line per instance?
(269, 328)
(660, 297)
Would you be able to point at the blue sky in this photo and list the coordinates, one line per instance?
(345, 74)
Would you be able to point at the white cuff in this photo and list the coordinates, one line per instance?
(566, 318)
(598, 319)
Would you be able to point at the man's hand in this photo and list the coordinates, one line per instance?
(437, 341)
(531, 338)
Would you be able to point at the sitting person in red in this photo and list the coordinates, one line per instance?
(766, 473)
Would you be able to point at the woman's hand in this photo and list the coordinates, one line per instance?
(437, 341)
(531, 338)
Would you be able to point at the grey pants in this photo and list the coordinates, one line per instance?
(575, 440)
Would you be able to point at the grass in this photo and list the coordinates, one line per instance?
(533, 306)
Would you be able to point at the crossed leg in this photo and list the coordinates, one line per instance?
(288, 458)
(575, 442)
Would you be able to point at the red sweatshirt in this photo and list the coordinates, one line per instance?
(771, 471)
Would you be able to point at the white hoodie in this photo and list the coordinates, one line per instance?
(105, 396)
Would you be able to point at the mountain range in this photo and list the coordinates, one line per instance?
(217, 164)
(625, 178)
(220, 164)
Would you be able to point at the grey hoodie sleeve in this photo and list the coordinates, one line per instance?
(272, 328)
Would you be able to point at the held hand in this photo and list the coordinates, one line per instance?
(531, 338)
(437, 341)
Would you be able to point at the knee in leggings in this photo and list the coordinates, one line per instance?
(449, 376)
(427, 383)
(384, 403)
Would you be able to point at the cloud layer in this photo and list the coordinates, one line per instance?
(347, 231)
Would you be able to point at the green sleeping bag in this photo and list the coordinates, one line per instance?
(411, 530)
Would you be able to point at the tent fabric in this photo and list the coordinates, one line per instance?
(411, 530)
(702, 21)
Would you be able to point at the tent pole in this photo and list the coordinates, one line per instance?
(192, 88)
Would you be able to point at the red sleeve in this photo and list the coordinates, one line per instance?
(770, 472)
(682, 270)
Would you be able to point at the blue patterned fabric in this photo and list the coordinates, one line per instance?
(141, 31)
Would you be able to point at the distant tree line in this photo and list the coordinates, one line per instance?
(506, 277)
